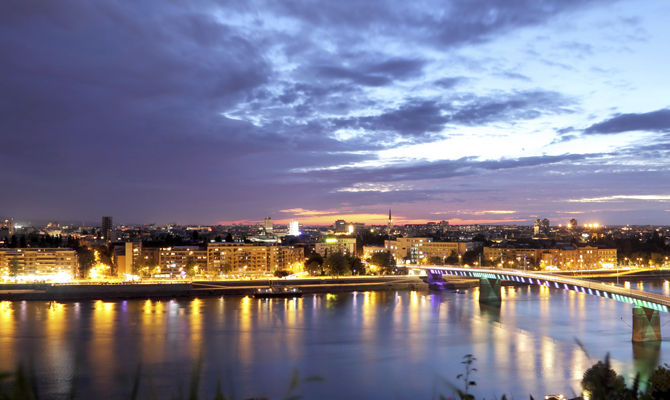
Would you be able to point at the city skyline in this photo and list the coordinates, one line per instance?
(208, 113)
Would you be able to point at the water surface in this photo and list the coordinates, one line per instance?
(402, 345)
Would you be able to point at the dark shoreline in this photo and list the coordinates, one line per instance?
(122, 291)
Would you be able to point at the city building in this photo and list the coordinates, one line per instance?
(340, 227)
(238, 258)
(369, 251)
(511, 257)
(127, 258)
(38, 263)
(106, 228)
(8, 225)
(182, 260)
(587, 257)
(268, 225)
(417, 250)
(336, 244)
(294, 228)
(566, 258)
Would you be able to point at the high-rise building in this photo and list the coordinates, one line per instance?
(337, 244)
(126, 257)
(268, 225)
(294, 228)
(9, 225)
(341, 226)
(106, 228)
(573, 223)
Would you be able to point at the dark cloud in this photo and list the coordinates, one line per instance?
(419, 118)
(458, 22)
(414, 118)
(438, 169)
(654, 121)
(448, 83)
(372, 73)
(510, 107)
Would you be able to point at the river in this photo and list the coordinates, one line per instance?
(396, 345)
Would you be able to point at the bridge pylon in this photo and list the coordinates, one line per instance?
(489, 291)
(646, 324)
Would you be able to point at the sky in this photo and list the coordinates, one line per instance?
(204, 112)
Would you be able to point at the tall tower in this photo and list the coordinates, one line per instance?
(106, 228)
(269, 227)
(390, 226)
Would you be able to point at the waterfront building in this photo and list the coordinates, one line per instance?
(418, 250)
(566, 258)
(511, 257)
(336, 244)
(587, 257)
(38, 263)
(181, 260)
(127, 258)
(237, 258)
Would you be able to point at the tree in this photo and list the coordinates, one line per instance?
(435, 260)
(356, 265)
(190, 266)
(452, 259)
(86, 260)
(384, 261)
(14, 267)
(314, 263)
(336, 264)
(602, 382)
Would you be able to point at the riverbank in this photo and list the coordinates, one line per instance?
(153, 290)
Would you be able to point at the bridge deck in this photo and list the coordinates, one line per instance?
(637, 297)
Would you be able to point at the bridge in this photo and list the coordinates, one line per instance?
(646, 306)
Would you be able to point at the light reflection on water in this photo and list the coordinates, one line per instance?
(365, 344)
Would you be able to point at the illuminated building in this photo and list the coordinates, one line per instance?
(106, 228)
(567, 258)
(340, 227)
(293, 228)
(8, 224)
(416, 250)
(511, 257)
(339, 244)
(249, 258)
(587, 257)
(38, 263)
(369, 251)
(178, 259)
(126, 257)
